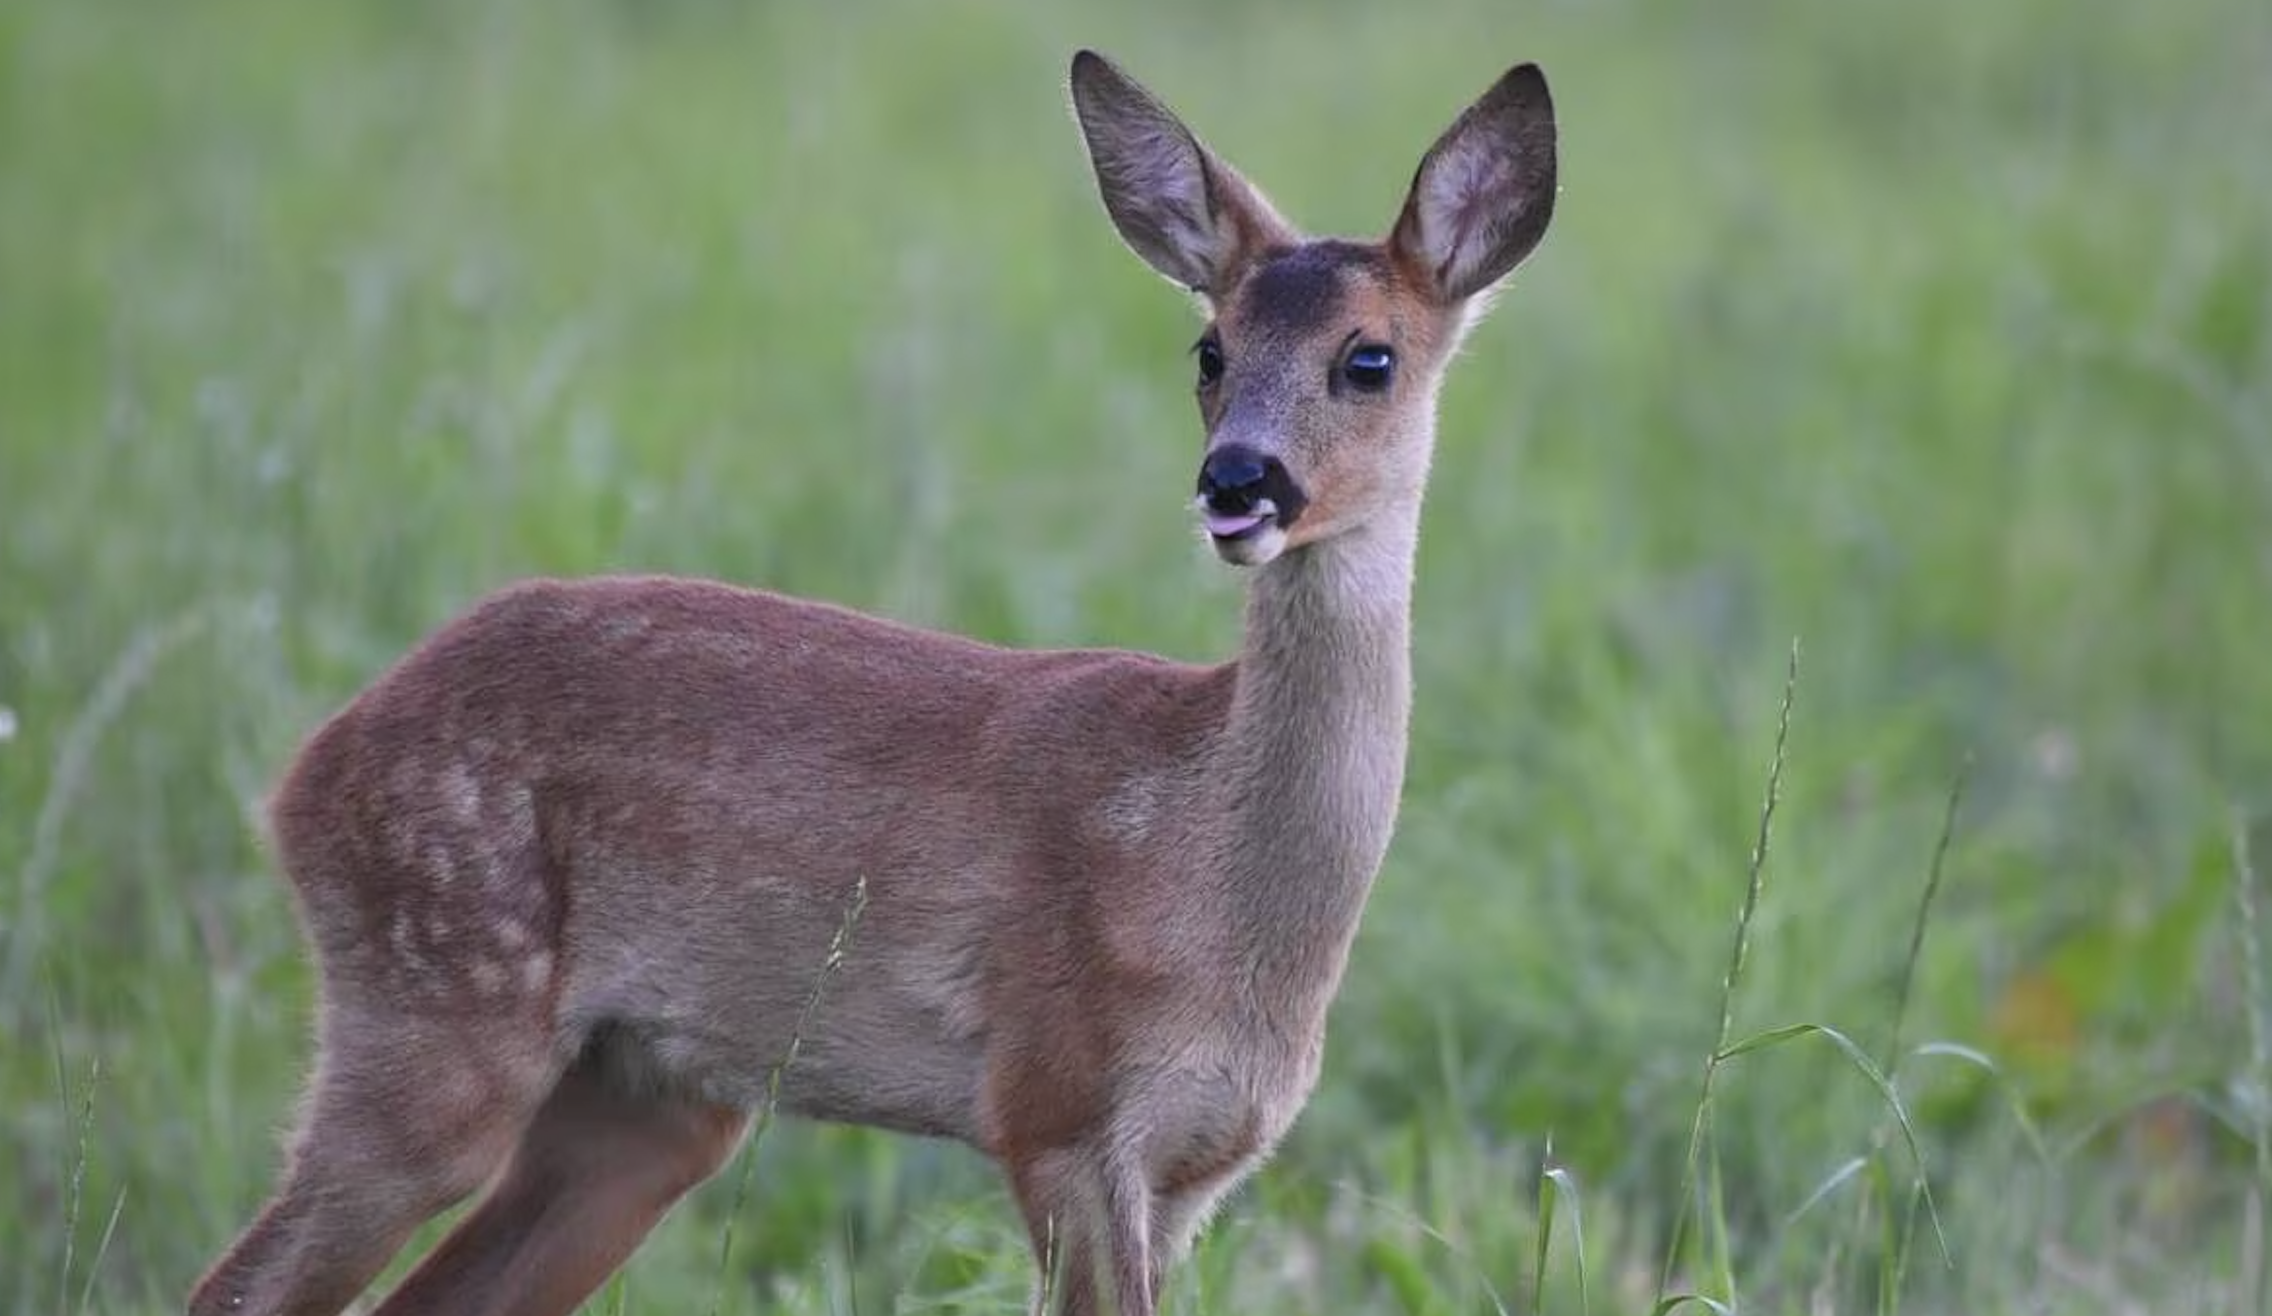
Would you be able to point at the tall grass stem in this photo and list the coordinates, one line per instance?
(839, 948)
(1754, 885)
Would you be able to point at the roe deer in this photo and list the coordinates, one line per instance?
(571, 868)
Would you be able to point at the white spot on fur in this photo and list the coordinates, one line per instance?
(461, 792)
(440, 864)
(1128, 812)
(536, 970)
(402, 937)
(401, 837)
(625, 625)
(488, 976)
(498, 878)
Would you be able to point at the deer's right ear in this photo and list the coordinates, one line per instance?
(1189, 215)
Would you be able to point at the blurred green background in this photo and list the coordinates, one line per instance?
(1935, 335)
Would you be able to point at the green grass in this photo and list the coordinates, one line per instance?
(1936, 335)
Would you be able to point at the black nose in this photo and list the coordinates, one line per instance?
(1233, 479)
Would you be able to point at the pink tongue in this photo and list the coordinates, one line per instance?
(1223, 527)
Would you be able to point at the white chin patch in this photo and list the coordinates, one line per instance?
(1251, 549)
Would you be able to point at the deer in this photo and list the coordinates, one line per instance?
(568, 869)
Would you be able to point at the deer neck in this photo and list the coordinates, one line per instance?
(1312, 760)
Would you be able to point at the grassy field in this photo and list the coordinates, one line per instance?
(1935, 336)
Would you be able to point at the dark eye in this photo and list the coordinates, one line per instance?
(1369, 367)
(1210, 362)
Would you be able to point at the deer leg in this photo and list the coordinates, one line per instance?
(405, 1116)
(1177, 1217)
(1089, 1219)
(594, 1172)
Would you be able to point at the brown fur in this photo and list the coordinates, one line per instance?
(570, 870)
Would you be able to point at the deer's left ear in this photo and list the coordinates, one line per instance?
(1484, 192)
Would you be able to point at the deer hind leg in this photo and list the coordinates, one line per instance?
(406, 1115)
(593, 1173)
(1178, 1216)
(1089, 1218)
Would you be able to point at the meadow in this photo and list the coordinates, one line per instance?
(1931, 342)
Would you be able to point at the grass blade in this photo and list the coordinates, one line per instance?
(839, 947)
(1554, 1183)
(73, 769)
(1933, 872)
(102, 1249)
(1893, 1249)
(1831, 1183)
(1869, 1070)
(1403, 1271)
(1753, 885)
(2014, 1103)
(2256, 1086)
(75, 1170)
(1547, 1187)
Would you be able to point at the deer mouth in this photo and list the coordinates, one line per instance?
(1238, 525)
(1246, 502)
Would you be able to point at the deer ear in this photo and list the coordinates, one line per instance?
(1484, 191)
(1189, 215)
